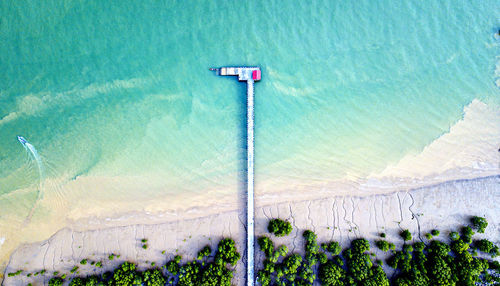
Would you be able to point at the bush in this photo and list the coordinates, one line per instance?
(435, 232)
(266, 245)
(226, 252)
(484, 245)
(331, 274)
(406, 235)
(93, 281)
(382, 245)
(494, 252)
(467, 234)
(205, 252)
(479, 223)
(56, 281)
(173, 265)
(77, 281)
(454, 236)
(428, 236)
(322, 257)
(153, 277)
(279, 227)
(125, 275)
(264, 278)
(332, 247)
(12, 274)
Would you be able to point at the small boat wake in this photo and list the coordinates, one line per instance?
(33, 154)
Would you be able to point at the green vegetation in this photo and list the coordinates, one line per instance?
(435, 232)
(450, 263)
(428, 236)
(437, 263)
(205, 252)
(332, 247)
(12, 274)
(266, 245)
(83, 262)
(279, 227)
(382, 245)
(56, 281)
(173, 266)
(454, 236)
(479, 223)
(406, 235)
(466, 234)
(207, 272)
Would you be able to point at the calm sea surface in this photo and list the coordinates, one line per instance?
(121, 89)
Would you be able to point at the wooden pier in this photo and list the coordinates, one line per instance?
(250, 75)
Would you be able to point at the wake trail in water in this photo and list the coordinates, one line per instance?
(34, 155)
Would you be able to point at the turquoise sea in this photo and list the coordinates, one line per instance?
(121, 89)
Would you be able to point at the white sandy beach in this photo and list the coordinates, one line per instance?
(444, 206)
(455, 176)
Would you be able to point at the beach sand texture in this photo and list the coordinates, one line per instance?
(443, 206)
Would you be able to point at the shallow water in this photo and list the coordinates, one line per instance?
(122, 90)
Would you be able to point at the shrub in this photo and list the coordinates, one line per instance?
(153, 277)
(435, 232)
(173, 265)
(279, 227)
(126, 274)
(467, 234)
(406, 235)
(454, 236)
(12, 274)
(93, 281)
(77, 281)
(494, 252)
(484, 245)
(266, 245)
(479, 223)
(83, 261)
(382, 245)
(322, 257)
(56, 281)
(331, 274)
(226, 252)
(428, 236)
(264, 278)
(205, 252)
(333, 247)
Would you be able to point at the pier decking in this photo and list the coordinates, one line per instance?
(250, 75)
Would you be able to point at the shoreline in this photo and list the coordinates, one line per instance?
(352, 216)
(470, 153)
